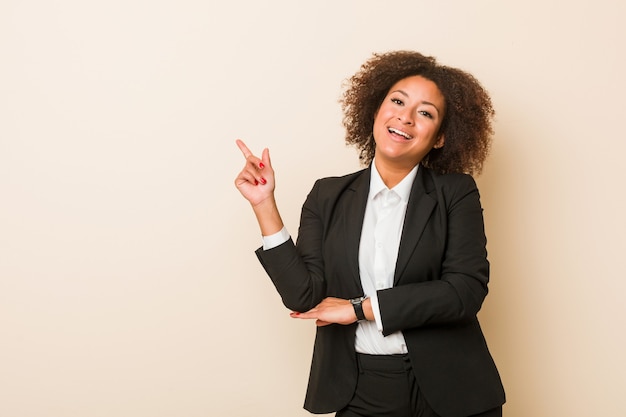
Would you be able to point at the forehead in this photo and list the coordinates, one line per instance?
(418, 87)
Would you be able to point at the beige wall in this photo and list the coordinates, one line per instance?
(128, 285)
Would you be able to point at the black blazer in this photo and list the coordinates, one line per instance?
(440, 283)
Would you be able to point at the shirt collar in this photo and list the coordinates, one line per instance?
(403, 188)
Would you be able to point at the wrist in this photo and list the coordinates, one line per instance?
(357, 304)
(368, 310)
(268, 216)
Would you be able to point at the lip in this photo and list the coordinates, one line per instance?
(399, 134)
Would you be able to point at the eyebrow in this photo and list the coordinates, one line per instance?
(423, 102)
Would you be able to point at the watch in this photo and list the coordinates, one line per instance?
(357, 303)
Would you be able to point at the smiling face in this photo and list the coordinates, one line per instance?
(406, 126)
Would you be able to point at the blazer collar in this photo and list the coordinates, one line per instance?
(421, 203)
(419, 208)
(357, 194)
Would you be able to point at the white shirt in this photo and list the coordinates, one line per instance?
(378, 252)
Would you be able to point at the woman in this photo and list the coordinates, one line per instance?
(390, 261)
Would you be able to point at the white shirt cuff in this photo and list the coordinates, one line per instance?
(376, 311)
(276, 239)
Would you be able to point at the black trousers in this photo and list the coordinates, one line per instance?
(387, 388)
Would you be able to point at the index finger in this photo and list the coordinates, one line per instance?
(244, 149)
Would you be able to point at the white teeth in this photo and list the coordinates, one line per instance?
(399, 132)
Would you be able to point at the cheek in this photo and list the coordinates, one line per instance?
(381, 116)
(378, 123)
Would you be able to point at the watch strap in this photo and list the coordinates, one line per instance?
(357, 303)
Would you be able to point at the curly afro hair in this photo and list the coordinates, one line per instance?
(467, 119)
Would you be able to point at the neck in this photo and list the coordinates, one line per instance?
(392, 174)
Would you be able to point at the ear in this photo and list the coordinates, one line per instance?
(440, 142)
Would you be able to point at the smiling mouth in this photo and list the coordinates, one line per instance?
(400, 133)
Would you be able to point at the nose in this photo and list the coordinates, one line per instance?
(405, 116)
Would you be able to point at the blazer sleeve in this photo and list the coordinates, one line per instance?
(297, 271)
(455, 291)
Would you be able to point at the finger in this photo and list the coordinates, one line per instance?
(265, 157)
(245, 176)
(305, 316)
(244, 149)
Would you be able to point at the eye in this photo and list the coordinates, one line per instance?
(426, 114)
(397, 101)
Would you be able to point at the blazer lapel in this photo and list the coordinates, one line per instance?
(419, 208)
(356, 201)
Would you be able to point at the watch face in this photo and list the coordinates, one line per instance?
(357, 300)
